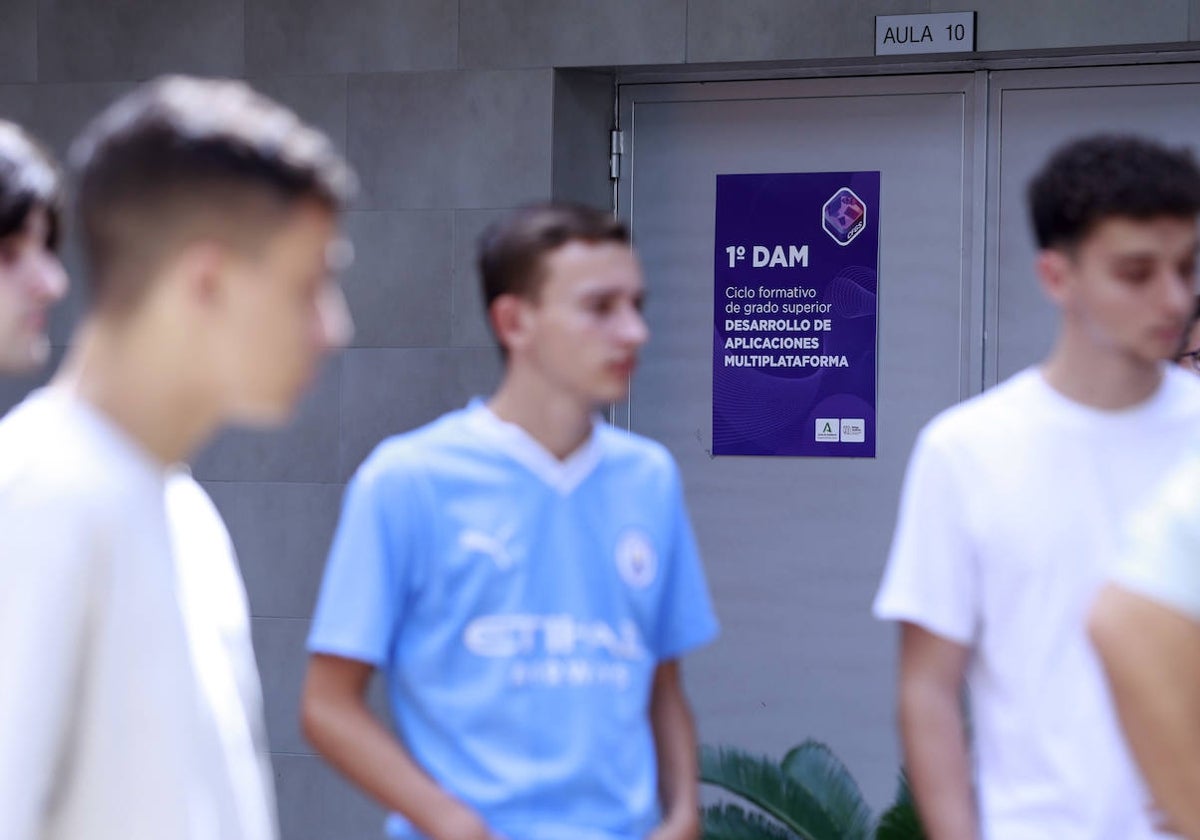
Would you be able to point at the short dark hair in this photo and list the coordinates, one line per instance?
(1107, 176)
(179, 155)
(511, 250)
(29, 179)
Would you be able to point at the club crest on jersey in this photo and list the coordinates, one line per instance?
(637, 561)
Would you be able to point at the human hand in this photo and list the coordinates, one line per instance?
(678, 827)
(1161, 820)
(459, 822)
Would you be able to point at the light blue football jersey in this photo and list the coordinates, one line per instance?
(518, 606)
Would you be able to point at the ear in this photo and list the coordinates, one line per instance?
(199, 272)
(1054, 273)
(509, 316)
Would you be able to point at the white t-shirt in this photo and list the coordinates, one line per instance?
(129, 702)
(1010, 519)
(1162, 560)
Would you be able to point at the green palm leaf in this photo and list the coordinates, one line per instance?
(900, 822)
(732, 822)
(764, 784)
(814, 767)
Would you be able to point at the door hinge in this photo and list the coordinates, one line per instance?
(615, 150)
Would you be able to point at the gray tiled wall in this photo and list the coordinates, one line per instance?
(18, 41)
(1034, 24)
(468, 324)
(82, 40)
(453, 111)
(571, 33)
(450, 139)
(310, 37)
(398, 287)
(306, 449)
(402, 388)
(768, 29)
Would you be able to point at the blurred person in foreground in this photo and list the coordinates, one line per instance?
(1146, 627)
(31, 277)
(1013, 507)
(525, 577)
(130, 707)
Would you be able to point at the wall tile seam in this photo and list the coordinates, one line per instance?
(443, 346)
(687, 22)
(869, 64)
(245, 74)
(316, 74)
(597, 68)
(454, 243)
(381, 207)
(447, 71)
(458, 31)
(408, 211)
(491, 209)
(341, 401)
(432, 349)
(291, 754)
(339, 456)
(248, 76)
(305, 619)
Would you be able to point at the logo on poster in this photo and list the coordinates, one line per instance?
(828, 429)
(854, 430)
(844, 216)
(841, 430)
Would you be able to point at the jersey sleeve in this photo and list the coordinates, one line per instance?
(368, 571)
(931, 578)
(1161, 557)
(685, 619)
(48, 586)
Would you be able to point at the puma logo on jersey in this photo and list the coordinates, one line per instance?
(489, 546)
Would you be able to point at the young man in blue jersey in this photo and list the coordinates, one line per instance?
(526, 578)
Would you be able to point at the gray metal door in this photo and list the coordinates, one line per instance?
(794, 547)
(1030, 112)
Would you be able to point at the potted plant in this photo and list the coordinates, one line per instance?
(809, 795)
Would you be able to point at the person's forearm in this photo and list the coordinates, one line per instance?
(675, 743)
(937, 760)
(1165, 736)
(351, 739)
(1152, 658)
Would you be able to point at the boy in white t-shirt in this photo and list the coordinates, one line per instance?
(129, 704)
(1146, 627)
(1012, 509)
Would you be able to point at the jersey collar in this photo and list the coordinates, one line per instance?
(563, 476)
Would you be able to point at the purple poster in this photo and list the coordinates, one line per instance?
(796, 271)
